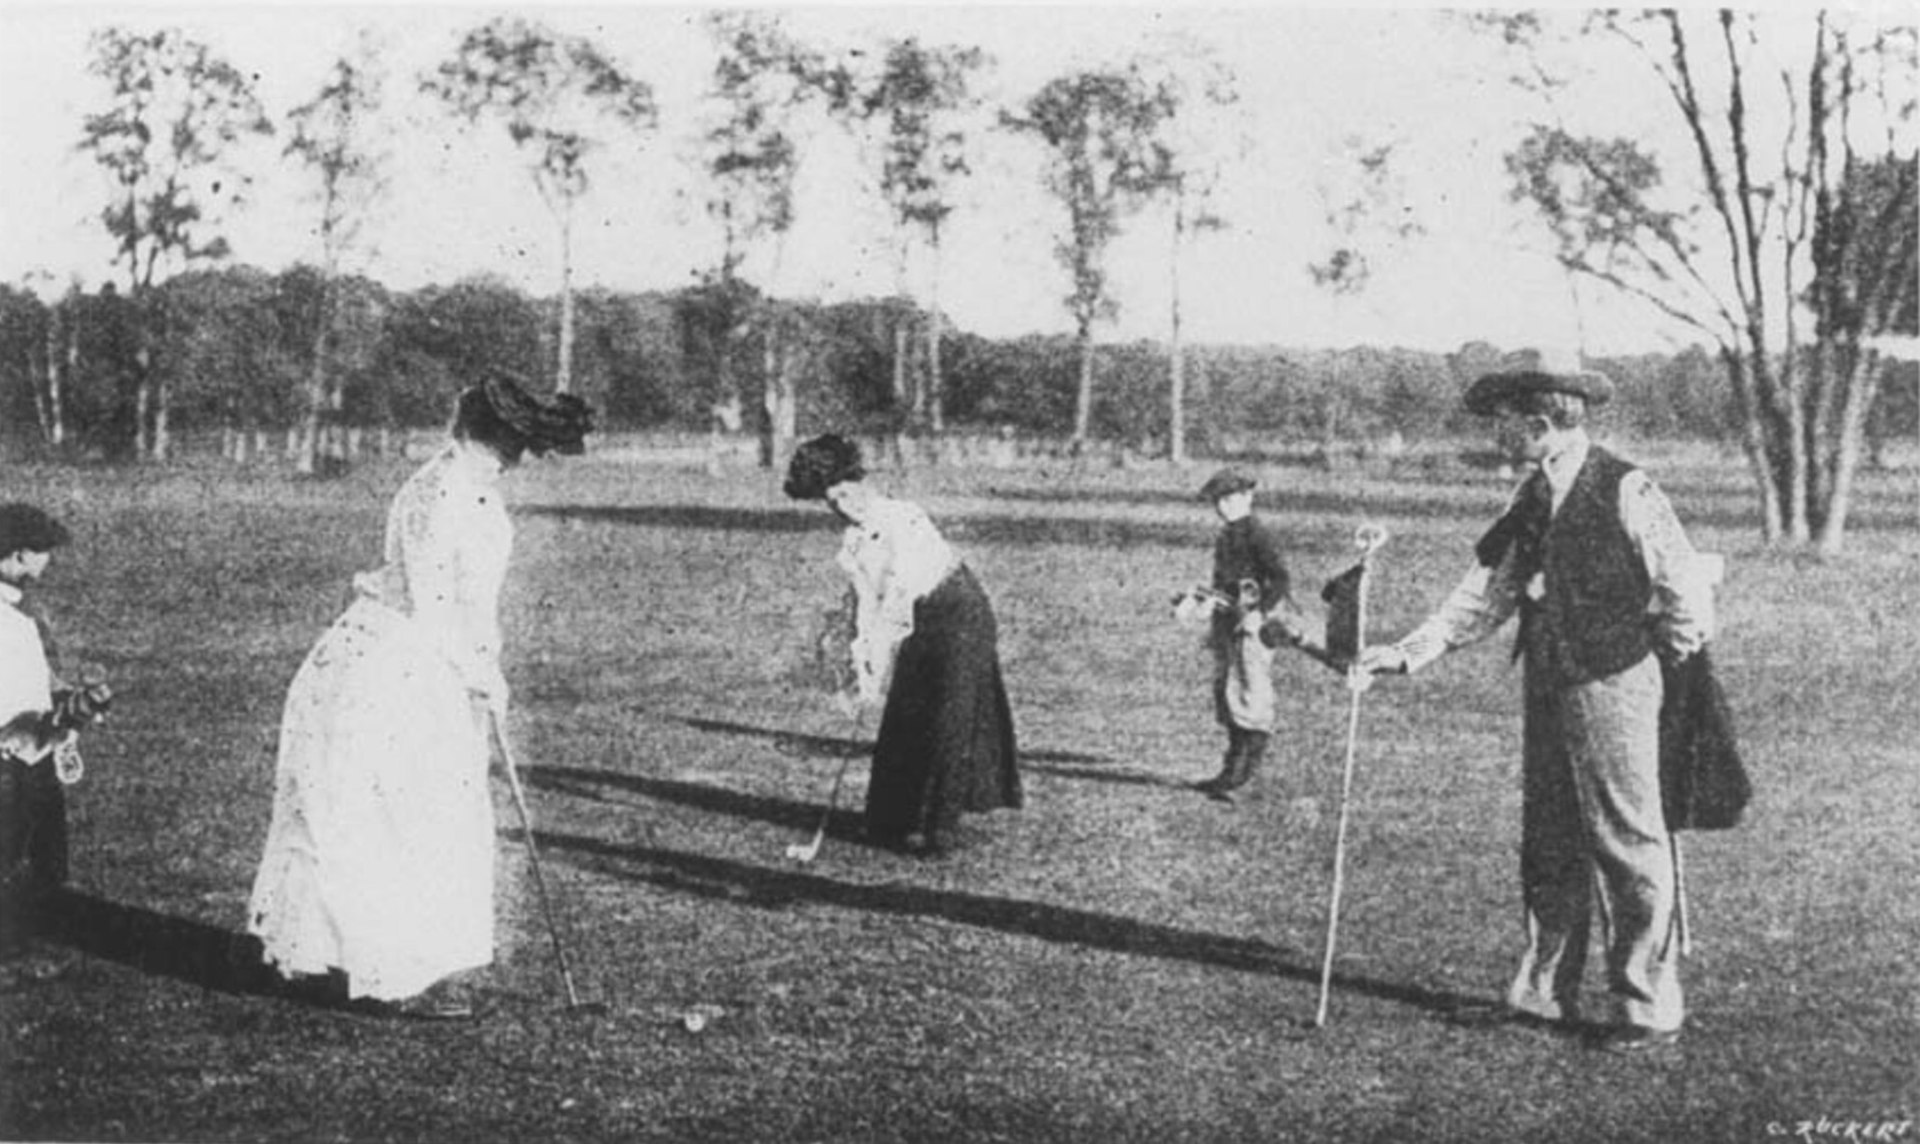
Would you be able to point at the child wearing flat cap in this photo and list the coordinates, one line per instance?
(1250, 582)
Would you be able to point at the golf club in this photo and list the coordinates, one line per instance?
(574, 1004)
(804, 852)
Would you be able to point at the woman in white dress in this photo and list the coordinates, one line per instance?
(379, 860)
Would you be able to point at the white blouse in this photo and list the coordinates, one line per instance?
(26, 680)
(448, 543)
(895, 557)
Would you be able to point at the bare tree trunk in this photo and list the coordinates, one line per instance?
(306, 460)
(902, 398)
(777, 397)
(1796, 470)
(1083, 402)
(59, 375)
(1753, 440)
(43, 392)
(162, 434)
(936, 382)
(563, 379)
(1177, 366)
(142, 404)
(1861, 385)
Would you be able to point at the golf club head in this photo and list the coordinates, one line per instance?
(803, 851)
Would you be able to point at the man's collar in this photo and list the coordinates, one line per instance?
(10, 594)
(1563, 465)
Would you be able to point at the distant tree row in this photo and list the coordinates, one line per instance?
(237, 357)
(173, 135)
(1782, 230)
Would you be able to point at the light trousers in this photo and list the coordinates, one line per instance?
(1243, 693)
(1594, 836)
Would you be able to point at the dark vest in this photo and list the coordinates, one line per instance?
(1593, 620)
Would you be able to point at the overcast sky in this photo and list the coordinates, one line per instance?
(1312, 81)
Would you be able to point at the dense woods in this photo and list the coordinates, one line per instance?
(236, 352)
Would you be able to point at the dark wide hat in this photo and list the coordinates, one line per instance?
(820, 464)
(1225, 483)
(24, 528)
(551, 423)
(1532, 371)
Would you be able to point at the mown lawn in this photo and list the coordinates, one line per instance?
(1120, 961)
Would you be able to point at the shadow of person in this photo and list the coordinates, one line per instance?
(845, 824)
(191, 951)
(830, 747)
(757, 886)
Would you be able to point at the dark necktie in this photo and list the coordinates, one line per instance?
(1523, 529)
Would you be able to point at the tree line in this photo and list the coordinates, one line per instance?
(237, 355)
(1789, 248)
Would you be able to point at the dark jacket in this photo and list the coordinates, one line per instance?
(1703, 784)
(1247, 549)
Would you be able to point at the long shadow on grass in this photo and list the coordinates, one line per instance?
(762, 887)
(826, 746)
(154, 943)
(1093, 768)
(579, 782)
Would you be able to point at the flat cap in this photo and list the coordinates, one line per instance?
(1531, 371)
(1226, 482)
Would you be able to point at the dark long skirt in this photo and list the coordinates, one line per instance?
(946, 736)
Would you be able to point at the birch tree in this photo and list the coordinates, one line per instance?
(1198, 141)
(554, 94)
(1097, 128)
(918, 110)
(762, 79)
(335, 136)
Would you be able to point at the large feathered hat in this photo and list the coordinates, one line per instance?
(554, 423)
(822, 463)
(24, 528)
(1537, 371)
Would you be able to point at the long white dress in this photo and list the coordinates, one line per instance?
(379, 859)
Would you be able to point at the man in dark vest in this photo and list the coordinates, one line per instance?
(1607, 586)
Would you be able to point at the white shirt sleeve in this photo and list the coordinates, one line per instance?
(1683, 579)
(26, 685)
(894, 559)
(1483, 600)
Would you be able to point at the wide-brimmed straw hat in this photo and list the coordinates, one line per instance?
(1537, 371)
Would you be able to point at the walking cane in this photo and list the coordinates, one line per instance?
(1683, 930)
(1367, 537)
(574, 1004)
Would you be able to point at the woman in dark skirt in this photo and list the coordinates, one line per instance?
(924, 641)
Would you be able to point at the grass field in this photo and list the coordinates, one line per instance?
(1120, 961)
